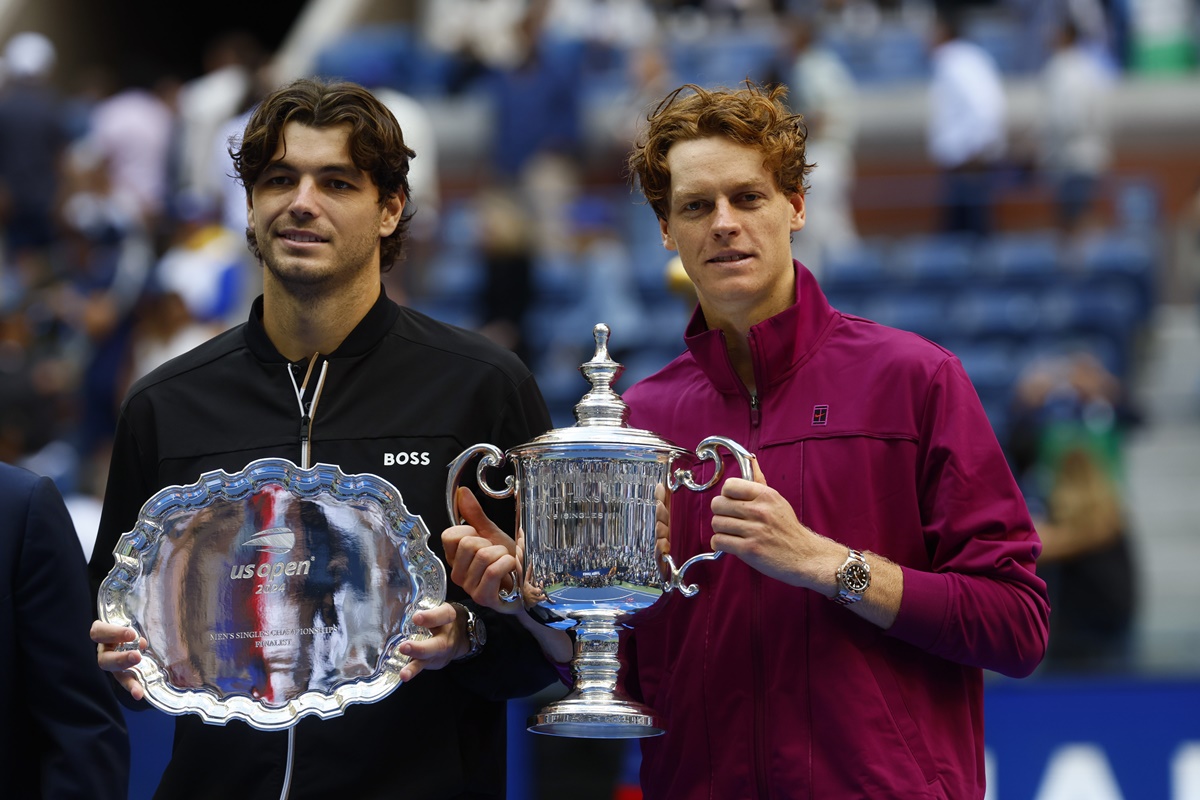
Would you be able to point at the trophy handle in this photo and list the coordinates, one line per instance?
(707, 451)
(492, 457)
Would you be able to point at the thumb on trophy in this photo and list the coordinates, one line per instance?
(475, 517)
(482, 558)
(757, 471)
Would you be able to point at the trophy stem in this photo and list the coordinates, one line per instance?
(595, 708)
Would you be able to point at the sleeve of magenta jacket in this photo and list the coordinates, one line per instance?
(982, 602)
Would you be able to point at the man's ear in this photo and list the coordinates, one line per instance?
(389, 219)
(798, 210)
(667, 239)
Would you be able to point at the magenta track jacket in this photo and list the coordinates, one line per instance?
(878, 439)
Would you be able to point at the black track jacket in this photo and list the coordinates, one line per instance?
(403, 396)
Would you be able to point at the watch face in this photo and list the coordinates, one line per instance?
(855, 577)
(478, 631)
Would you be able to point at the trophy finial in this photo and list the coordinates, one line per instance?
(600, 334)
(602, 405)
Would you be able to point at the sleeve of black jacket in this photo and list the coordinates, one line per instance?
(127, 490)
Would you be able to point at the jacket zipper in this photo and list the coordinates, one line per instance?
(756, 631)
(308, 408)
(756, 642)
(760, 717)
(305, 432)
(308, 403)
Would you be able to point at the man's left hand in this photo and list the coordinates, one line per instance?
(448, 641)
(758, 525)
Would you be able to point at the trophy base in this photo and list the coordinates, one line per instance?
(613, 718)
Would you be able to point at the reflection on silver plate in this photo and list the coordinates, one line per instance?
(273, 593)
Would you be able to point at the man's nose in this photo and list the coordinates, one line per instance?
(724, 218)
(304, 199)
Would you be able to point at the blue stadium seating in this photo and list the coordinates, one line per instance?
(937, 262)
(922, 312)
(1021, 258)
(1121, 260)
(1010, 313)
(857, 269)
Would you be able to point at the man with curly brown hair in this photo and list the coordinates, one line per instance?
(882, 557)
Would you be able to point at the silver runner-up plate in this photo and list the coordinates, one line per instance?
(273, 593)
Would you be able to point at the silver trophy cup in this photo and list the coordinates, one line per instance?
(585, 499)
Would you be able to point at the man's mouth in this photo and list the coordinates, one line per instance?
(301, 237)
(725, 259)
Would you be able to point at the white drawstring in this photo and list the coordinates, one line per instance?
(306, 421)
(308, 415)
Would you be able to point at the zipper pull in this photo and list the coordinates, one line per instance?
(307, 407)
(306, 424)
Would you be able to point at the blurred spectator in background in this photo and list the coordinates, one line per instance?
(115, 221)
(477, 36)
(130, 135)
(535, 103)
(536, 140)
(206, 266)
(825, 93)
(508, 250)
(1066, 444)
(85, 87)
(608, 29)
(33, 137)
(1098, 25)
(165, 327)
(228, 85)
(1075, 151)
(423, 209)
(735, 12)
(35, 383)
(608, 290)
(226, 190)
(966, 134)
(648, 76)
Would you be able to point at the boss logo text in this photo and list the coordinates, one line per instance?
(402, 459)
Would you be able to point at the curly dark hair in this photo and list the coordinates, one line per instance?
(754, 116)
(376, 143)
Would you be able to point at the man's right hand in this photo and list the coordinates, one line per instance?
(482, 557)
(119, 662)
(483, 560)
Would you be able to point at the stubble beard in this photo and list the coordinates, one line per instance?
(310, 283)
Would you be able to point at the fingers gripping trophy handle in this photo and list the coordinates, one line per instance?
(492, 457)
(707, 451)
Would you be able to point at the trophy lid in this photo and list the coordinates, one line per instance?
(602, 406)
(601, 416)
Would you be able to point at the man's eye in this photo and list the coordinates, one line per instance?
(341, 186)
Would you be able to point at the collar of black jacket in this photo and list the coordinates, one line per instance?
(365, 335)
